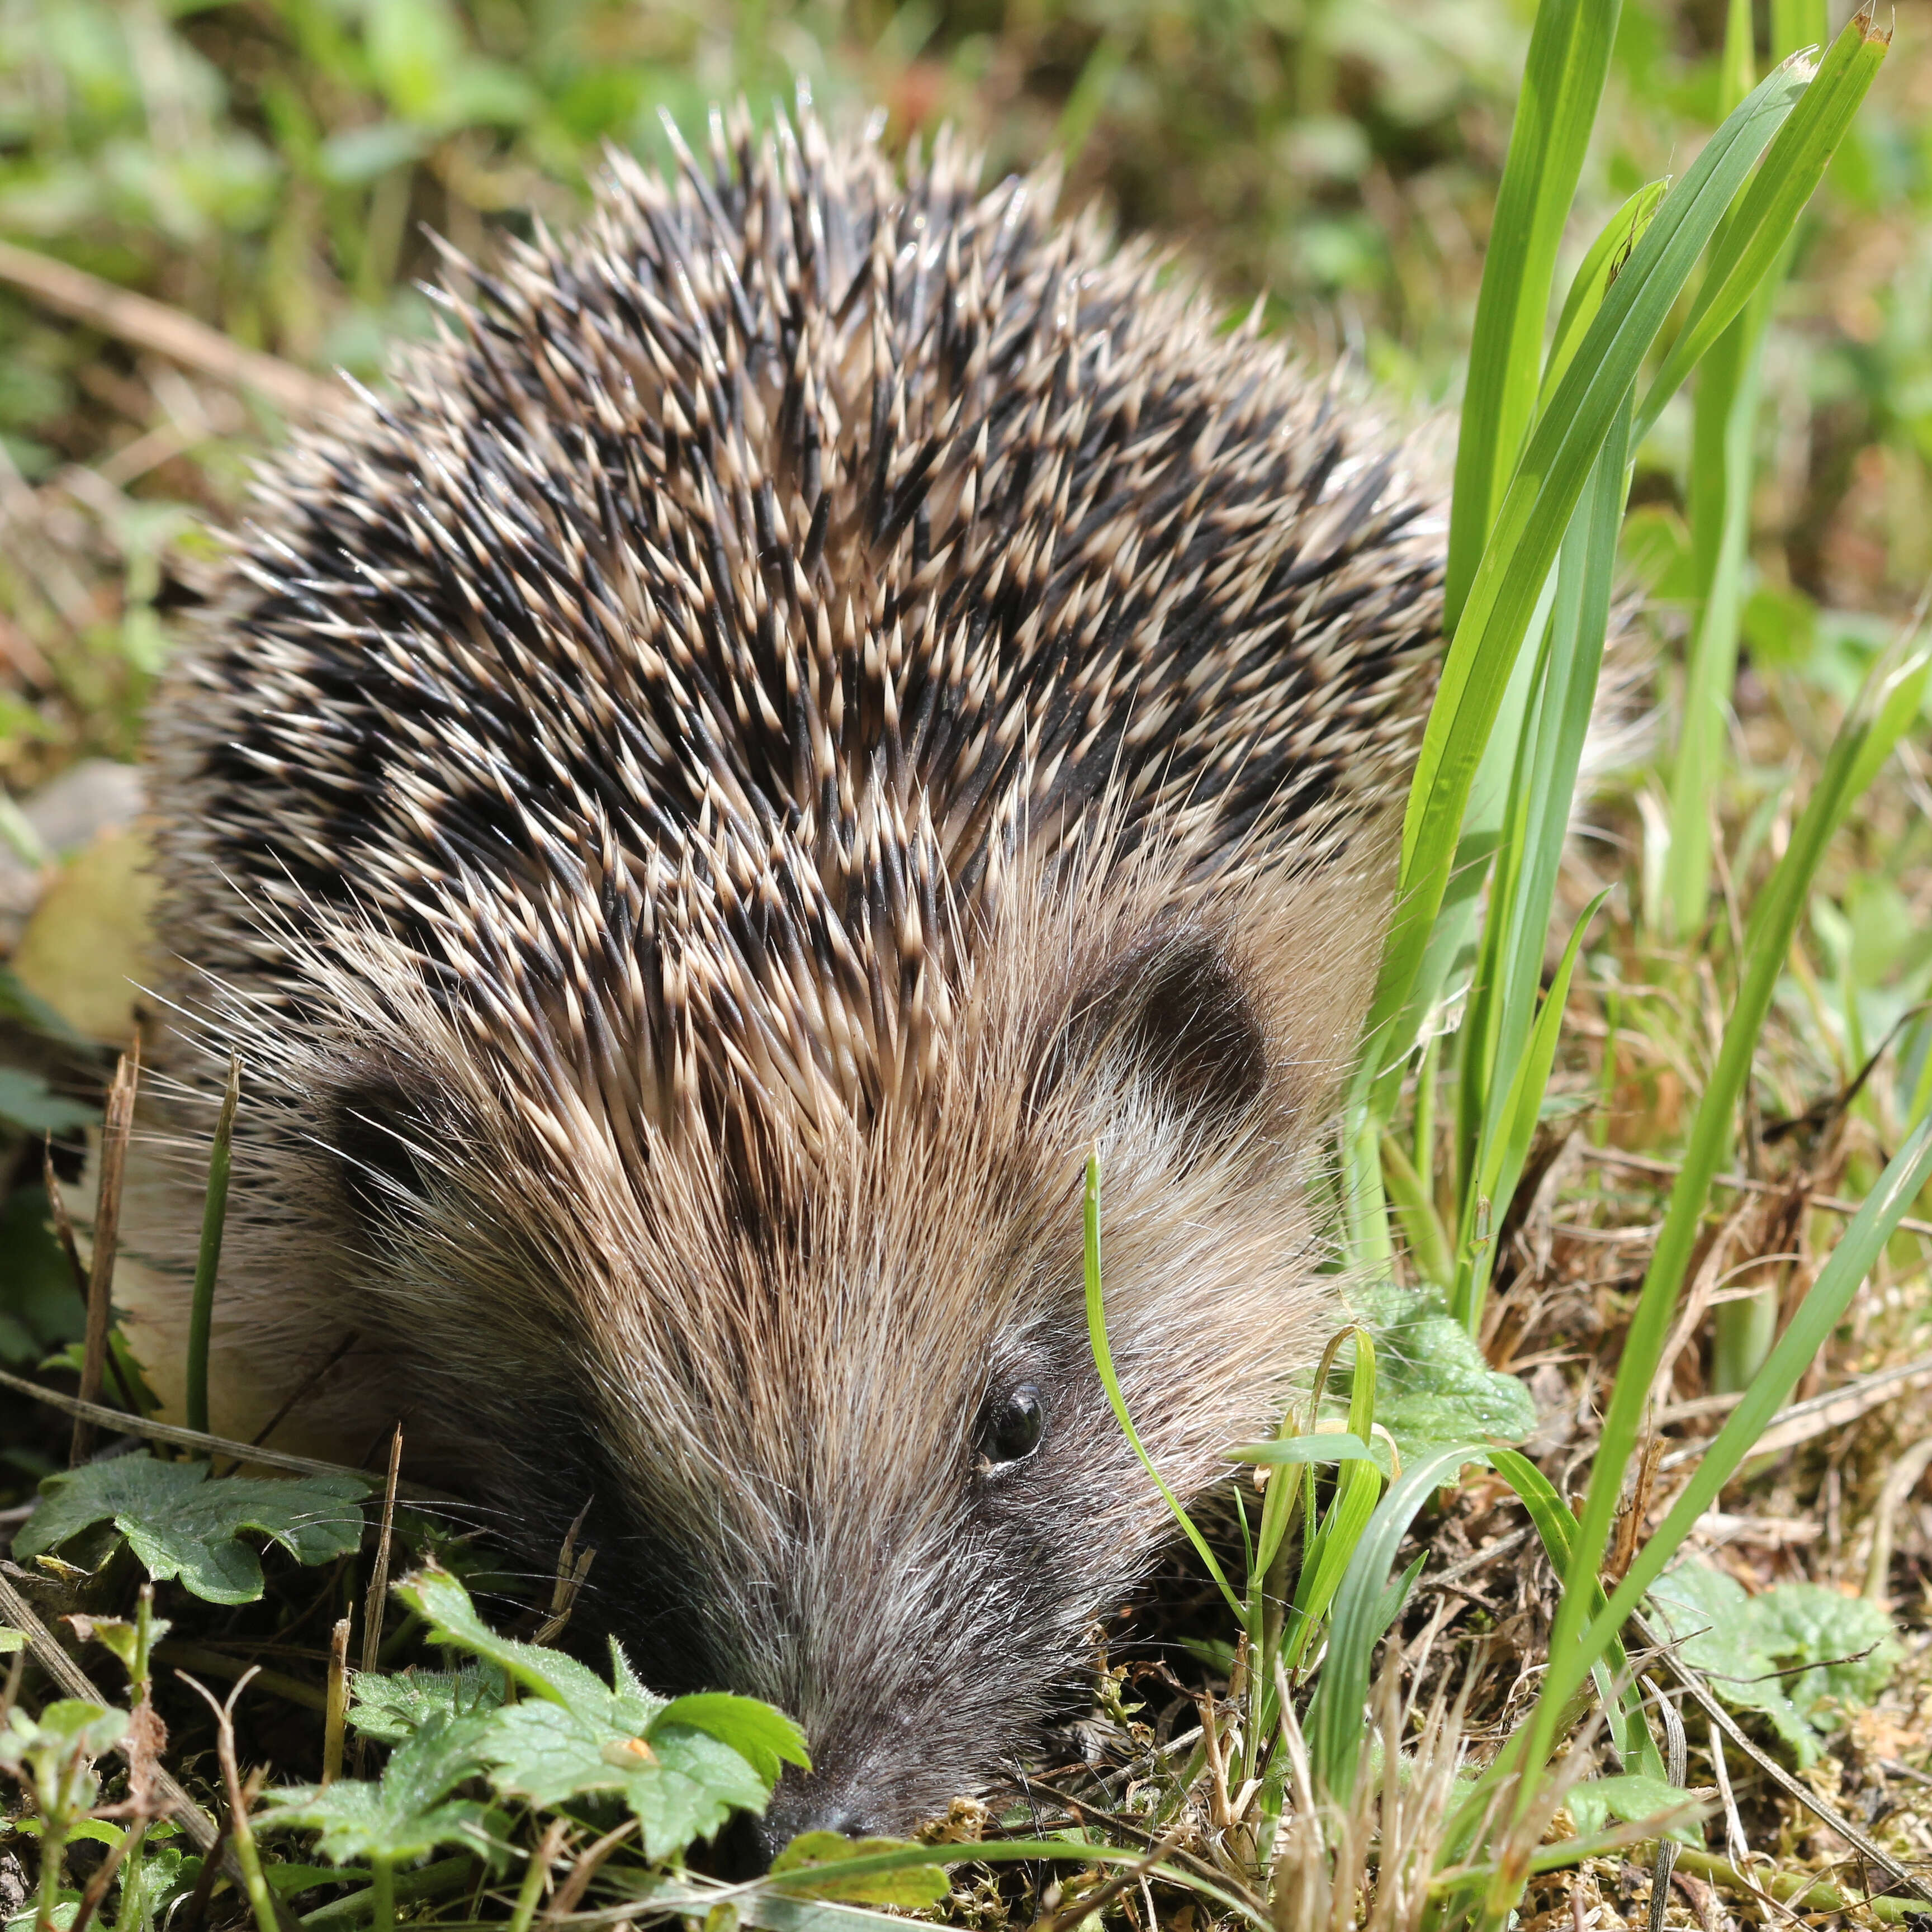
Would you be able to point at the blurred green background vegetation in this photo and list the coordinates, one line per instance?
(269, 167)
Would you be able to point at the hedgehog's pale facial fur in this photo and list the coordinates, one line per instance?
(820, 701)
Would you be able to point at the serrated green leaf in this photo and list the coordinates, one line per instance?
(51, 1752)
(909, 1886)
(577, 1736)
(181, 1522)
(766, 1739)
(393, 1709)
(407, 1813)
(1798, 1653)
(1435, 1386)
(444, 1604)
(679, 1784)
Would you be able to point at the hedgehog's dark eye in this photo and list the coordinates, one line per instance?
(1015, 1424)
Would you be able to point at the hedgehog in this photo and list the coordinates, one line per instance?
(817, 702)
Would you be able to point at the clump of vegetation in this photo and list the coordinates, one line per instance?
(1632, 1178)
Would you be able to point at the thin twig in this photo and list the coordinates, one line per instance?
(1832, 1203)
(76, 1267)
(573, 1887)
(211, 1445)
(153, 326)
(1814, 1416)
(115, 1132)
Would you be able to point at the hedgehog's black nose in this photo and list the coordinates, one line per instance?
(747, 1845)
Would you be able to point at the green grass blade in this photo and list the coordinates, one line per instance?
(1599, 267)
(1103, 1361)
(1755, 236)
(1821, 1311)
(1549, 479)
(1408, 1195)
(1767, 938)
(208, 1260)
(1563, 82)
(1536, 825)
(1719, 491)
(1335, 1725)
(1504, 1156)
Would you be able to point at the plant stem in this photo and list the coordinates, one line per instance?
(383, 1892)
(207, 1261)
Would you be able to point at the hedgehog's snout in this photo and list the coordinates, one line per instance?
(802, 1802)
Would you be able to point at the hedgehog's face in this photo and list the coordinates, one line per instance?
(832, 1403)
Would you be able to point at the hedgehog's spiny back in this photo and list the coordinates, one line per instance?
(679, 662)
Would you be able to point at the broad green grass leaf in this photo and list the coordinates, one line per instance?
(1798, 1653)
(393, 1708)
(909, 1887)
(1632, 1797)
(1505, 1145)
(1754, 237)
(182, 1523)
(1324, 1446)
(1600, 266)
(1335, 1725)
(407, 1813)
(1563, 80)
(1549, 479)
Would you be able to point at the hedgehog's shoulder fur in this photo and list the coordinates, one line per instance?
(820, 698)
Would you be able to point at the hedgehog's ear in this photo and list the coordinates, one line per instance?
(378, 1137)
(1172, 1015)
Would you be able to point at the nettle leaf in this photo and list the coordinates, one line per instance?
(444, 1604)
(1633, 1799)
(41, 1748)
(1798, 1653)
(407, 1813)
(681, 1784)
(766, 1739)
(1433, 1385)
(909, 1886)
(393, 1708)
(181, 1521)
(681, 1767)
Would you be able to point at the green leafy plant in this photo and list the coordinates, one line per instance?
(1798, 1653)
(181, 1522)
